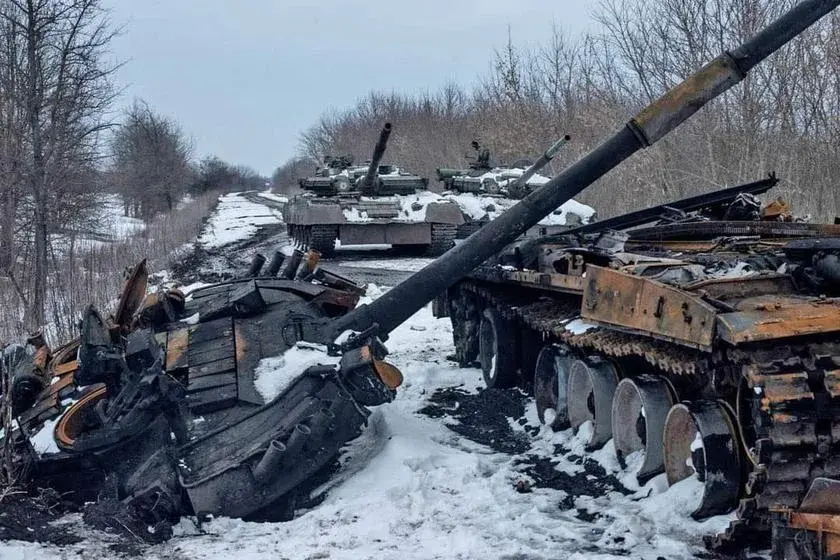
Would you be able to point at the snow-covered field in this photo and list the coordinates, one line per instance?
(236, 219)
(113, 226)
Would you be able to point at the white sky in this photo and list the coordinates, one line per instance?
(245, 77)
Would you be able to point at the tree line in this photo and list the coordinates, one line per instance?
(62, 147)
(785, 117)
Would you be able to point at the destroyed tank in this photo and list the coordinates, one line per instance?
(159, 408)
(369, 205)
(484, 190)
(760, 416)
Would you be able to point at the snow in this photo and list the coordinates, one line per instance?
(410, 208)
(113, 226)
(236, 219)
(43, 441)
(579, 326)
(274, 197)
(274, 375)
(401, 265)
(480, 206)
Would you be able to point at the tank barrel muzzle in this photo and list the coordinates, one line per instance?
(648, 126)
(547, 156)
(555, 148)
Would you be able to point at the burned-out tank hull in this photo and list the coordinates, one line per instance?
(708, 347)
(164, 413)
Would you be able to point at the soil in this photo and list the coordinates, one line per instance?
(31, 515)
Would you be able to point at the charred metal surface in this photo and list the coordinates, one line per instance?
(776, 317)
(615, 298)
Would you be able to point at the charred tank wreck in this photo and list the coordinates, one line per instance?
(156, 406)
(133, 439)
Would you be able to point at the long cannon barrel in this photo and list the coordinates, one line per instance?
(647, 127)
(648, 215)
(547, 156)
(378, 152)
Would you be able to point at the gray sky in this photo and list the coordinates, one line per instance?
(245, 77)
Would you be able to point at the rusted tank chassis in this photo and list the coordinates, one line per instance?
(716, 358)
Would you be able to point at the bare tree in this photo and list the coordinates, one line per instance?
(151, 161)
(61, 82)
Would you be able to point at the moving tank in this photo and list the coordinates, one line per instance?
(758, 351)
(369, 205)
(484, 190)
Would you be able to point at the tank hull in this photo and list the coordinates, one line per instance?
(424, 220)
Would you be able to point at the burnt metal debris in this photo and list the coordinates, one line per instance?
(370, 204)
(627, 324)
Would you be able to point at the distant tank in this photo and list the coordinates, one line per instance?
(368, 205)
(484, 190)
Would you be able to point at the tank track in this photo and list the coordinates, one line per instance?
(322, 239)
(443, 239)
(789, 397)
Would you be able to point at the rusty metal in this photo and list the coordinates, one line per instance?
(777, 317)
(615, 298)
(132, 295)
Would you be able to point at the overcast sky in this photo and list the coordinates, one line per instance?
(245, 77)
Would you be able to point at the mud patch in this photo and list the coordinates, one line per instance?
(114, 517)
(592, 480)
(484, 417)
(31, 517)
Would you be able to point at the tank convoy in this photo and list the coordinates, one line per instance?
(710, 373)
(484, 190)
(369, 205)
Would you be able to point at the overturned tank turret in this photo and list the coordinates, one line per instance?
(370, 205)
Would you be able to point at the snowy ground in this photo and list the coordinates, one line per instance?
(236, 219)
(113, 226)
(410, 487)
(417, 484)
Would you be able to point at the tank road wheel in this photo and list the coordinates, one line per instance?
(443, 239)
(639, 409)
(589, 398)
(551, 377)
(322, 239)
(497, 350)
(700, 443)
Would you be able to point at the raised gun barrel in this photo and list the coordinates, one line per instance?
(547, 156)
(519, 187)
(647, 127)
(378, 152)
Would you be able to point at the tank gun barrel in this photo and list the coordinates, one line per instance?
(378, 152)
(646, 128)
(640, 217)
(547, 156)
